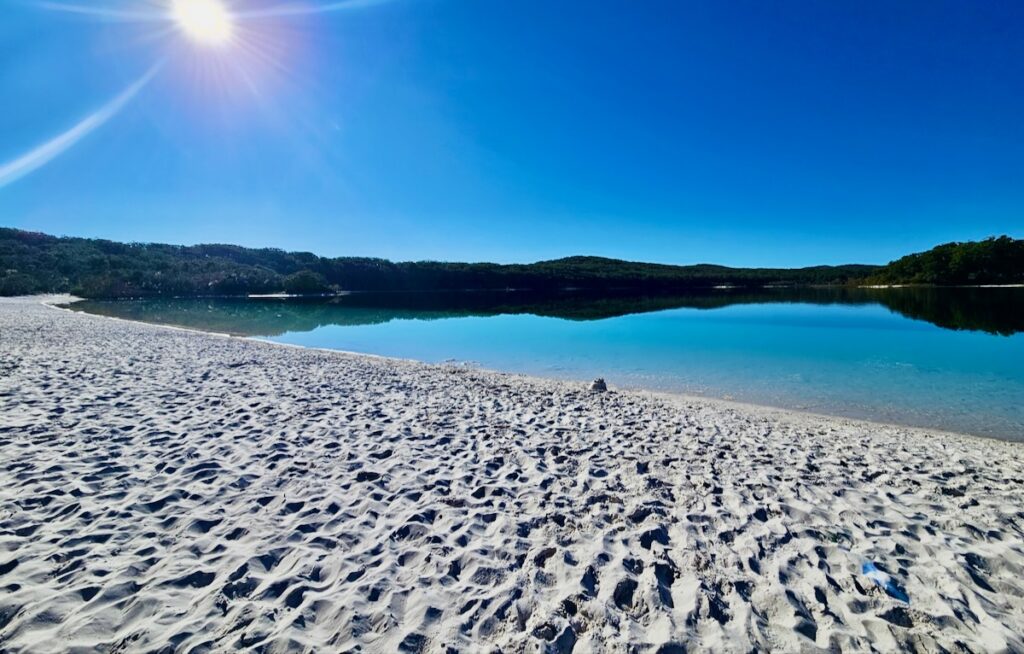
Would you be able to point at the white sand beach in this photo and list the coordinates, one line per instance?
(163, 490)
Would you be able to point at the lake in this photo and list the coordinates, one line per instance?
(942, 358)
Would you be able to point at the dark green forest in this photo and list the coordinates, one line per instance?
(992, 261)
(38, 263)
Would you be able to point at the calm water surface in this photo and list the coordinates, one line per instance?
(949, 359)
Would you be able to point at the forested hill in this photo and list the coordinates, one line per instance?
(992, 261)
(38, 263)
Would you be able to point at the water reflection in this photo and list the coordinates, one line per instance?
(991, 310)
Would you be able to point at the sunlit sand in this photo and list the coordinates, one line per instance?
(164, 489)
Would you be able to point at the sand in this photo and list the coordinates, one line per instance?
(163, 490)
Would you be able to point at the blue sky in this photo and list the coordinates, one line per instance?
(744, 133)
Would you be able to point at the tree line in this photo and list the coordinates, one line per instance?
(39, 263)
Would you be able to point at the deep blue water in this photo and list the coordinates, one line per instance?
(926, 360)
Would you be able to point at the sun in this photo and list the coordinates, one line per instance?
(206, 21)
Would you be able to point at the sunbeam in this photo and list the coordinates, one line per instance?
(157, 14)
(104, 13)
(225, 45)
(43, 154)
(305, 9)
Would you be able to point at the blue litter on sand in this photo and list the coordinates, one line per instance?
(883, 580)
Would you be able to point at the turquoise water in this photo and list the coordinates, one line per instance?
(850, 355)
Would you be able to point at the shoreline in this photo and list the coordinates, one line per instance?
(570, 384)
(940, 286)
(171, 488)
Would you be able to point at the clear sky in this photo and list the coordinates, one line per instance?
(743, 133)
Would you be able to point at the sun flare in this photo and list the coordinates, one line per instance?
(206, 21)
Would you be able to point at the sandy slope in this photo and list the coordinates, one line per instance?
(163, 490)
